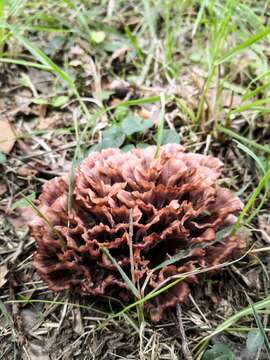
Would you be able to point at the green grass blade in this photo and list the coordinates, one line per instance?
(260, 326)
(43, 58)
(251, 201)
(263, 304)
(150, 18)
(252, 106)
(249, 15)
(80, 16)
(254, 92)
(47, 29)
(134, 41)
(171, 284)
(260, 166)
(14, 6)
(122, 273)
(160, 125)
(252, 143)
(2, 30)
(182, 255)
(199, 17)
(246, 44)
(25, 63)
(142, 101)
(252, 155)
(47, 222)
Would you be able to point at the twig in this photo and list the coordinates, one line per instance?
(186, 352)
(130, 236)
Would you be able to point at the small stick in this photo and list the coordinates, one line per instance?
(186, 352)
(132, 269)
(130, 238)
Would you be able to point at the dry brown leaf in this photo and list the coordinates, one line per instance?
(75, 51)
(3, 273)
(7, 137)
(49, 122)
(75, 63)
(29, 319)
(36, 351)
(119, 53)
(77, 322)
(26, 170)
(143, 113)
(264, 227)
(115, 102)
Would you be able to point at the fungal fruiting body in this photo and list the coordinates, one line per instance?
(175, 207)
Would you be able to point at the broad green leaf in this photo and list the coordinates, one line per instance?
(40, 101)
(59, 101)
(255, 341)
(128, 147)
(170, 137)
(22, 203)
(54, 45)
(96, 147)
(120, 113)
(142, 146)
(133, 124)
(218, 352)
(113, 137)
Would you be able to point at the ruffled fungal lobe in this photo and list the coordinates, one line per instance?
(176, 207)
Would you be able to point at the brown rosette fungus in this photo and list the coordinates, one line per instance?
(176, 205)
